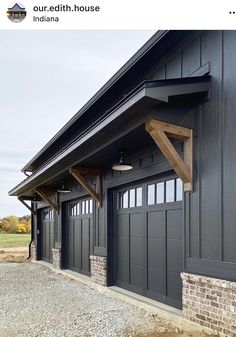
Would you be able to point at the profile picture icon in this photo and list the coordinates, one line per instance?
(16, 13)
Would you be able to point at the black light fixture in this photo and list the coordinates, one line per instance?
(122, 165)
(63, 189)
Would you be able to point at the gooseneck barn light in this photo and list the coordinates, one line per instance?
(122, 165)
(63, 189)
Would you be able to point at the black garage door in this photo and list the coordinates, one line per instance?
(47, 234)
(148, 248)
(79, 235)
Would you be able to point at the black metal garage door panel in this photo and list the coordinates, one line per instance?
(86, 225)
(122, 248)
(148, 244)
(47, 234)
(79, 235)
(156, 251)
(175, 253)
(136, 249)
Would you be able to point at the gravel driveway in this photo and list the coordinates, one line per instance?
(37, 302)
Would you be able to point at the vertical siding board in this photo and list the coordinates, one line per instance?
(36, 226)
(160, 74)
(191, 57)
(195, 196)
(221, 127)
(97, 222)
(186, 227)
(173, 67)
(229, 146)
(199, 213)
(101, 220)
(210, 152)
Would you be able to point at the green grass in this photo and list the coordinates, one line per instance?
(14, 240)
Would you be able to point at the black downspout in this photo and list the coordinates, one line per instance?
(32, 232)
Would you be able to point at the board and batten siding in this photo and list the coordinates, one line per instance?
(210, 212)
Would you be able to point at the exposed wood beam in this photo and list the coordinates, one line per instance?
(26, 205)
(30, 198)
(87, 171)
(77, 172)
(43, 193)
(159, 131)
(48, 188)
(171, 155)
(172, 130)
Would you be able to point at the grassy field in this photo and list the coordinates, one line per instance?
(14, 240)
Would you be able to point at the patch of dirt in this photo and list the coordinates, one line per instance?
(177, 334)
(14, 254)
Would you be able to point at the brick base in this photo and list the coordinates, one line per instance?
(99, 269)
(56, 257)
(33, 251)
(210, 303)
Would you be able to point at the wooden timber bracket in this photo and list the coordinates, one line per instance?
(49, 195)
(21, 199)
(79, 172)
(160, 131)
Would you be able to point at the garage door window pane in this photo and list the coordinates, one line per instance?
(132, 198)
(91, 206)
(151, 194)
(83, 207)
(87, 206)
(179, 190)
(160, 193)
(125, 199)
(170, 190)
(139, 196)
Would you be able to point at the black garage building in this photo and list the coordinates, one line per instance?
(166, 227)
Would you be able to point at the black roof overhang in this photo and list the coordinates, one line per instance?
(155, 48)
(142, 99)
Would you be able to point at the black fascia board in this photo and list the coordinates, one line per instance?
(156, 38)
(160, 91)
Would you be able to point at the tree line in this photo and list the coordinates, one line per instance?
(13, 224)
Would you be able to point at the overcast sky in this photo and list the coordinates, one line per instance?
(45, 77)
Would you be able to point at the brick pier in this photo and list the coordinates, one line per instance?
(210, 303)
(99, 269)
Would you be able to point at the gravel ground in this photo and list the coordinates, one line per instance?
(36, 302)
